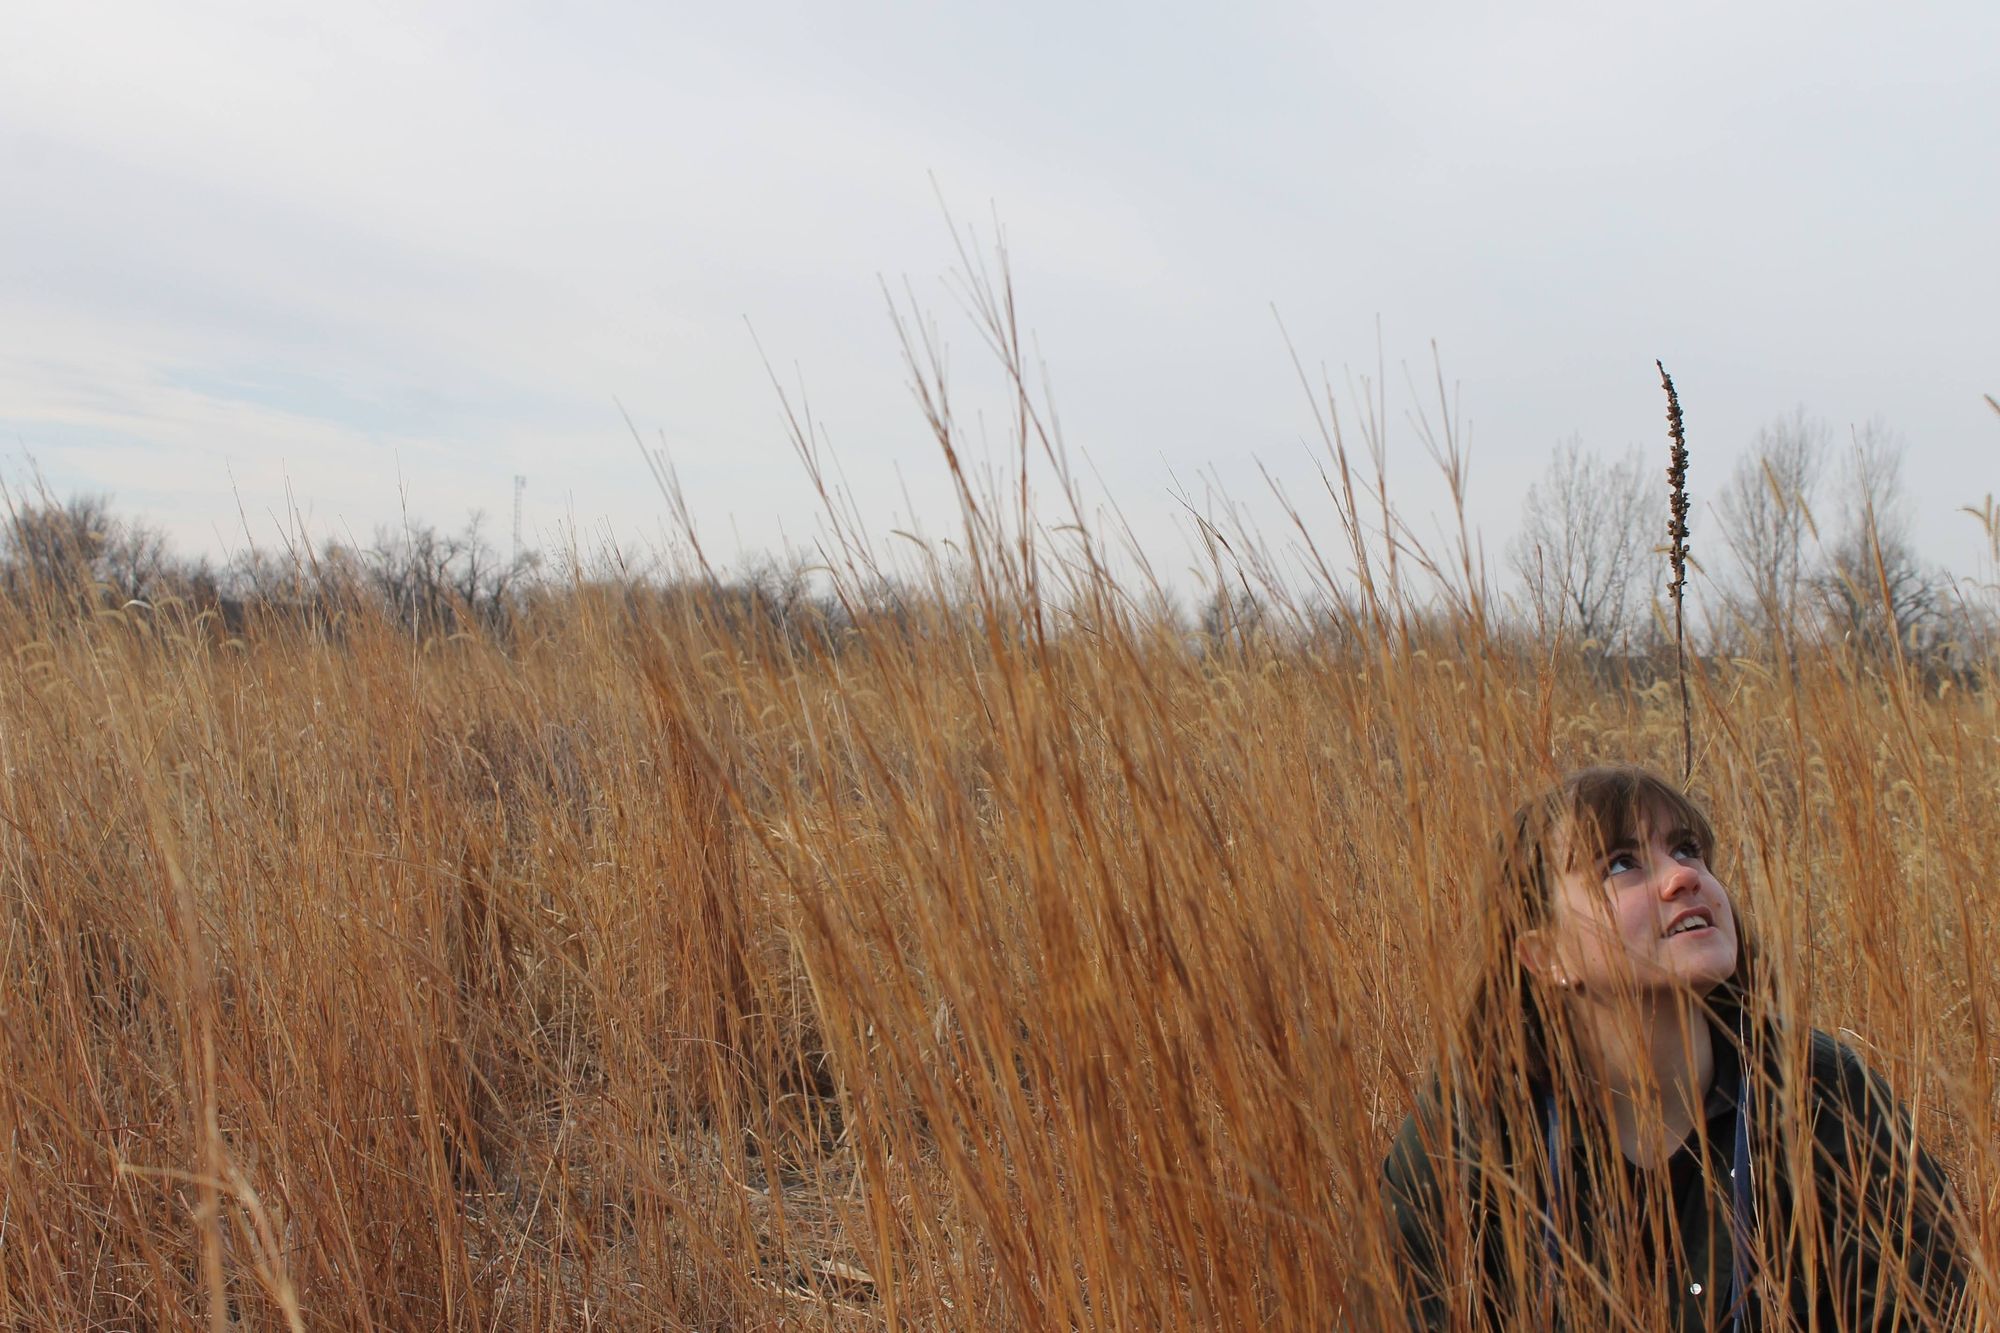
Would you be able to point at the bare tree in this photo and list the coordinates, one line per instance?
(49, 548)
(1766, 516)
(135, 563)
(79, 552)
(1232, 616)
(1873, 587)
(433, 580)
(1586, 528)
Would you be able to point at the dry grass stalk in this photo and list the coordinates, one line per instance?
(1677, 557)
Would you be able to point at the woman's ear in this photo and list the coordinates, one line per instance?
(1535, 951)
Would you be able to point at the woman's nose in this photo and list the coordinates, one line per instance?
(1679, 878)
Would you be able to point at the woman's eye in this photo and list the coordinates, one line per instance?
(1689, 850)
(1619, 862)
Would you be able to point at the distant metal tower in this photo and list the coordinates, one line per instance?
(520, 485)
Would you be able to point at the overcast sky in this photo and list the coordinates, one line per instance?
(355, 258)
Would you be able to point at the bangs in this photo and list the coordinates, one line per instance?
(1617, 806)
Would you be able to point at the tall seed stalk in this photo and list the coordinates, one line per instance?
(1677, 552)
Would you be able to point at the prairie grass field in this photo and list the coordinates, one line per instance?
(990, 952)
(999, 668)
(988, 966)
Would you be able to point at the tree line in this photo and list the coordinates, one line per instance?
(63, 558)
(77, 555)
(1806, 541)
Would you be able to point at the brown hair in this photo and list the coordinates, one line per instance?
(1589, 810)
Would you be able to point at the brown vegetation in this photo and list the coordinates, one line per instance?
(986, 968)
(1006, 958)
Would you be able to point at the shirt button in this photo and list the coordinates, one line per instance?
(1694, 1288)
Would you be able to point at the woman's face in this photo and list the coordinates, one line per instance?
(1640, 916)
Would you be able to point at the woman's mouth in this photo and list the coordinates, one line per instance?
(1694, 923)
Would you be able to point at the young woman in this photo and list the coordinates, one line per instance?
(1621, 1137)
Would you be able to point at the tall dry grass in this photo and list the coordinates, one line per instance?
(1014, 961)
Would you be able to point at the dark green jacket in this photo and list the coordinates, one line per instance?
(1885, 1255)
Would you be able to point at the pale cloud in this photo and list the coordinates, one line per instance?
(384, 254)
